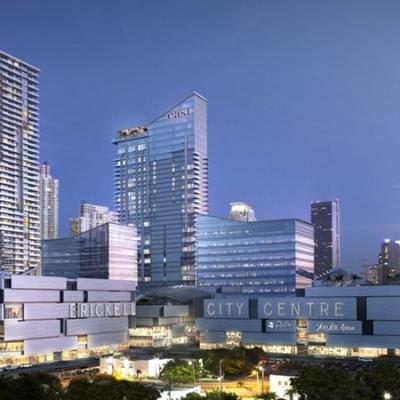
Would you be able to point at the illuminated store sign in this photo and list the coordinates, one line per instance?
(342, 327)
(179, 114)
(99, 310)
(306, 308)
(282, 325)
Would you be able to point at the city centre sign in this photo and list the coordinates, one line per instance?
(101, 310)
(308, 308)
(226, 308)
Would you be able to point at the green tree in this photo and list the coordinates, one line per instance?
(268, 396)
(6, 383)
(331, 383)
(378, 379)
(193, 396)
(180, 371)
(217, 395)
(77, 389)
(108, 388)
(35, 386)
(237, 361)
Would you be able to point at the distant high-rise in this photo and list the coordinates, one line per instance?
(325, 216)
(48, 203)
(241, 211)
(389, 259)
(19, 166)
(92, 215)
(161, 184)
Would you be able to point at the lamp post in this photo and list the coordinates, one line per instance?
(194, 373)
(261, 369)
(387, 396)
(258, 381)
(220, 376)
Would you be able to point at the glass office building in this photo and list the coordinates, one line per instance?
(325, 217)
(161, 184)
(108, 251)
(262, 257)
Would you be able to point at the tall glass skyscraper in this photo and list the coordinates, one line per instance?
(260, 257)
(325, 217)
(48, 203)
(161, 184)
(19, 165)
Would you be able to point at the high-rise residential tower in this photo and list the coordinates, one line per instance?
(48, 203)
(241, 211)
(19, 166)
(92, 215)
(325, 216)
(161, 184)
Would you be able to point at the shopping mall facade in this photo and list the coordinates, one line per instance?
(46, 319)
(360, 321)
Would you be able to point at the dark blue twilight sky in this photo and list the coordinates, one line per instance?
(304, 98)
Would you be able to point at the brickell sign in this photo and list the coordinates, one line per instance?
(308, 308)
(100, 310)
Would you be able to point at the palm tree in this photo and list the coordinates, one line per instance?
(339, 279)
(267, 396)
(354, 279)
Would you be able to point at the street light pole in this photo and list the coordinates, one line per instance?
(262, 379)
(220, 376)
(194, 373)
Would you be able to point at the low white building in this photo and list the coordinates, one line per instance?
(280, 385)
(151, 368)
(131, 369)
(178, 393)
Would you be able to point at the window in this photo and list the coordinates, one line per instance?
(13, 311)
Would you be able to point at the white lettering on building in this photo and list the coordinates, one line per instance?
(303, 309)
(179, 114)
(100, 310)
(230, 309)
